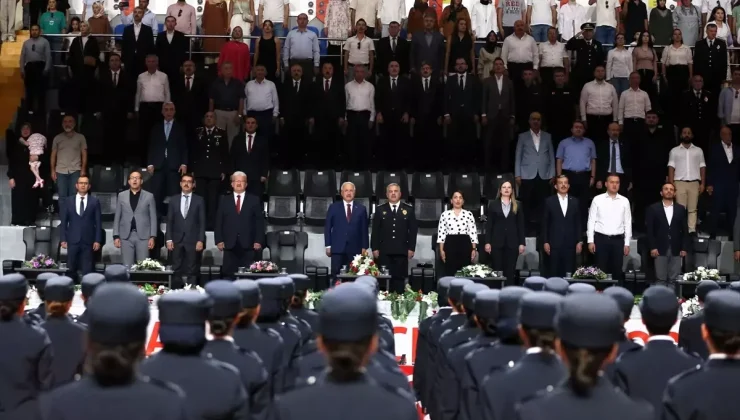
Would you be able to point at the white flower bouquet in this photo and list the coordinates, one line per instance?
(690, 307)
(148, 265)
(363, 265)
(702, 273)
(475, 270)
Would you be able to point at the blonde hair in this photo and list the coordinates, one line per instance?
(514, 205)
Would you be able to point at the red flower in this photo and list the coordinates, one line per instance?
(338, 283)
(371, 263)
(366, 272)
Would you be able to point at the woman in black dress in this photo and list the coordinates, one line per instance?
(460, 45)
(457, 236)
(505, 231)
(24, 198)
(267, 52)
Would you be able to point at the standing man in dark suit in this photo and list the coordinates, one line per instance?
(82, 61)
(698, 111)
(392, 48)
(723, 177)
(210, 164)
(614, 158)
(462, 102)
(190, 95)
(428, 47)
(690, 330)
(650, 165)
(498, 116)
(250, 154)
(394, 236)
(138, 42)
(186, 230)
(392, 103)
(562, 231)
(296, 102)
(710, 61)
(667, 235)
(327, 117)
(345, 230)
(80, 228)
(116, 103)
(240, 227)
(168, 156)
(425, 112)
(172, 49)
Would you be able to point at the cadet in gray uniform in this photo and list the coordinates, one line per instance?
(116, 273)
(556, 285)
(112, 389)
(348, 326)
(302, 285)
(38, 314)
(387, 336)
(25, 364)
(213, 389)
(88, 284)
(287, 293)
(66, 334)
(227, 303)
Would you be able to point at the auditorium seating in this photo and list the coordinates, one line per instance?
(705, 254)
(283, 191)
(469, 185)
(288, 249)
(107, 182)
(428, 192)
(319, 191)
(383, 178)
(363, 187)
(41, 240)
(491, 185)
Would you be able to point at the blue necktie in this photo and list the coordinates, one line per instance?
(82, 205)
(167, 128)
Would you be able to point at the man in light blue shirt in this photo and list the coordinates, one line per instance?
(149, 19)
(576, 158)
(302, 48)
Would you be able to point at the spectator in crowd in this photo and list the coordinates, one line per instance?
(116, 104)
(710, 58)
(210, 163)
(389, 12)
(346, 229)
(687, 171)
(417, 15)
(250, 154)
(135, 224)
(185, 18)
(72, 29)
(7, 20)
(613, 157)
(100, 25)
(277, 12)
(697, 112)
(87, 9)
(457, 236)
(505, 231)
(519, 53)
(367, 11)
(708, 9)
(35, 64)
(428, 46)
(552, 56)
(186, 231)
(359, 50)
(534, 169)
(80, 229)
(393, 48)
(327, 118)
(529, 100)
(226, 100)
(236, 52)
(645, 62)
(483, 19)
(561, 229)
(660, 23)
(650, 150)
(541, 16)
(425, 112)
(262, 102)
(148, 17)
(728, 108)
(240, 226)
(459, 45)
(607, 19)
(560, 102)
(190, 95)
(461, 113)
(167, 155)
(634, 14)
(610, 228)
(302, 47)
(599, 105)
(137, 44)
(576, 158)
(68, 158)
(393, 103)
(688, 19)
(508, 14)
(214, 21)
(487, 55)
(241, 15)
(172, 50)
(722, 181)
(267, 51)
(571, 17)
(678, 69)
(82, 62)
(152, 92)
(24, 198)
(296, 98)
(667, 235)
(498, 114)
(53, 22)
(633, 105)
(360, 100)
(619, 65)
(719, 17)
(337, 25)
(589, 54)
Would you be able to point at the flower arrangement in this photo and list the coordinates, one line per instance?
(313, 299)
(148, 265)
(151, 290)
(362, 265)
(475, 270)
(263, 267)
(40, 262)
(592, 273)
(402, 304)
(690, 307)
(702, 273)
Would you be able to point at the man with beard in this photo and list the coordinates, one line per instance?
(667, 235)
(687, 171)
(650, 158)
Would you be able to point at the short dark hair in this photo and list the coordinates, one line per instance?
(562, 176)
(187, 175)
(136, 171)
(83, 176)
(578, 122)
(651, 112)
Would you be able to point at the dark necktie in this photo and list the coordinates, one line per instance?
(187, 83)
(187, 207)
(349, 213)
(462, 84)
(711, 44)
(698, 95)
(238, 204)
(115, 78)
(249, 148)
(296, 86)
(393, 84)
(326, 85)
(394, 209)
(426, 85)
(613, 159)
(393, 44)
(82, 205)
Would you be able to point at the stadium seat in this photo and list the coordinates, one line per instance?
(107, 182)
(283, 191)
(469, 185)
(383, 178)
(363, 187)
(705, 254)
(319, 192)
(428, 191)
(288, 249)
(41, 240)
(319, 276)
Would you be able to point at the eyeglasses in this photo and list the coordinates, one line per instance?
(179, 13)
(134, 178)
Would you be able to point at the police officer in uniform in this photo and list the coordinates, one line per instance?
(689, 331)
(589, 326)
(557, 285)
(393, 239)
(227, 303)
(539, 368)
(287, 292)
(560, 103)
(38, 314)
(211, 164)
(302, 284)
(643, 373)
(88, 285)
(698, 111)
(213, 389)
(348, 328)
(66, 334)
(26, 361)
(266, 342)
(709, 391)
(589, 54)
(116, 273)
(112, 389)
(625, 301)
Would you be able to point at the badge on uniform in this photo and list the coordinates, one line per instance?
(706, 99)
(717, 46)
(404, 212)
(384, 213)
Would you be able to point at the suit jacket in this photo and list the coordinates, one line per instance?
(84, 229)
(147, 225)
(426, 104)
(430, 53)
(558, 230)
(135, 50)
(700, 112)
(245, 228)
(255, 164)
(711, 63)
(115, 100)
(393, 102)
(331, 104)
(587, 56)
(531, 162)
(77, 54)
(494, 101)
(171, 54)
(662, 236)
(344, 237)
(603, 156)
(689, 335)
(385, 54)
(296, 105)
(724, 175)
(465, 101)
(505, 231)
(176, 146)
(191, 103)
(189, 229)
(210, 154)
(394, 234)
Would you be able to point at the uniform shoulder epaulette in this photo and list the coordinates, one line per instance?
(629, 352)
(685, 374)
(407, 204)
(224, 366)
(248, 352)
(542, 393)
(168, 386)
(400, 392)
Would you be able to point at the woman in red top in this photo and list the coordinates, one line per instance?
(236, 52)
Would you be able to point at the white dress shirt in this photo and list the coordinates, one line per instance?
(261, 96)
(552, 55)
(728, 151)
(152, 87)
(360, 97)
(365, 9)
(83, 41)
(668, 212)
(570, 18)
(137, 29)
(542, 11)
(78, 199)
(535, 139)
(520, 50)
(499, 82)
(462, 224)
(680, 56)
(169, 36)
(686, 162)
(610, 216)
(618, 63)
(239, 196)
(391, 10)
(599, 98)
(483, 18)
(634, 103)
(563, 200)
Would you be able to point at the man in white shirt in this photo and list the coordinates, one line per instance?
(667, 235)
(360, 97)
(570, 18)
(359, 50)
(366, 10)
(552, 56)
(687, 171)
(519, 53)
(262, 102)
(276, 11)
(633, 106)
(391, 11)
(609, 229)
(152, 91)
(541, 15)
(599, 104)
(607, 20)
(149, 19)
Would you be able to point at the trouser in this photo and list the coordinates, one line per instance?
(358, 141)
(338, 261)
(515, 73)
(165, 183)
(150, 113)
(610, 254)
(724, 200)
(539, 32)
(427, 143)
(236, 257)
(620, 84)
(533, 193)
(210, 190)
(184, 264)
(66, 185)
(134, 249)
(35, 84)
(667, 267)
(326, 146)
(398, 265)
(7, 19)
(504, 259)
(393, 151)
(687, 195)
(597, 126)
(292, 148)
(458, 253)
(79, 259)
(562, 261)
(605, 34)
(547, 75)
(228, 121)
(633, 130)
(460, 141)
(579, 188)
(114, 129)
(278, 29)
(647, 84)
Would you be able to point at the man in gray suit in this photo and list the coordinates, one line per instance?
(534, 169)
(135, 223)
(186, 230)
(498, 115)
(428, 47)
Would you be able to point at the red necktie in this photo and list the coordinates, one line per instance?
(187, 83)
(249, 147)
(349, 213)
(326, 85)
(238, 203)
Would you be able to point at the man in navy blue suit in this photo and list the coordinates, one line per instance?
(346, 229)
(80, 228)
